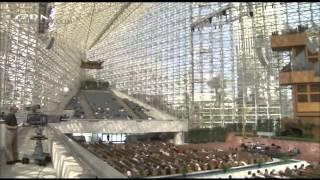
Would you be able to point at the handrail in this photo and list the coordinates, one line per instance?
(97, 166)
(67, 143)
(138, 120)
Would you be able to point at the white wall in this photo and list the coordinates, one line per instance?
(119, 126)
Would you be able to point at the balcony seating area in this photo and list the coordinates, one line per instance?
(74, 104)
(138, 110)
(104, 105)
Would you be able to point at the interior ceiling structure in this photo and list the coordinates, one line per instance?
(81, 25)
(76, 25)
(211, 57)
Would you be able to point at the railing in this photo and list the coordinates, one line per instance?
(119, 126)
(94, 120)
(2, 145)
(61, 149)
(96, 166)
(297, 77)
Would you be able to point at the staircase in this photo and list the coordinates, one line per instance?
(86, 107)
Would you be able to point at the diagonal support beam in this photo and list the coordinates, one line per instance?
(107, 27)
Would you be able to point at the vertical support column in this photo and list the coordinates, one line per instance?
(178, 138)
(191, 119)
(94, 137)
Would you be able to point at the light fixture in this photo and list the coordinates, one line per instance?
(65, 89)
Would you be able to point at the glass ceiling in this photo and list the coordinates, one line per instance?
(170, 55)
(32, 73)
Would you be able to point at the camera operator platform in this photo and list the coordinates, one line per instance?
(38, 121)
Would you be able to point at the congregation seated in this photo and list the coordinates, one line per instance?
(159, 158)
(74, 104)
(138, 110)
(295, 172)
(104, 105)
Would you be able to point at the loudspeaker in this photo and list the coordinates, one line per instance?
(50, 43)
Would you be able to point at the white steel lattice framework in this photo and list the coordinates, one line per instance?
(210, 63)
(196, 60)
(32, 73)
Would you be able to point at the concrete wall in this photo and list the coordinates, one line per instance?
(69, 113)
(65, 162)
(119, 126)
(66, 155)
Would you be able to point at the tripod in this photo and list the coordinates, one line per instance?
(41, 158)
(38, 121)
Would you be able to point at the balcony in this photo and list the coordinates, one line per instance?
(308, 107)
(287, 41)
(298, 77)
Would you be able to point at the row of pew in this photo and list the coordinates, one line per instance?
(158, 158)
(104, 105)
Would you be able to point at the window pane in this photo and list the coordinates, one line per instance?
(315, 98)
(302, 98)
(302, 88)
(315, 88)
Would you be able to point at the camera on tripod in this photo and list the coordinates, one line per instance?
(36, 118)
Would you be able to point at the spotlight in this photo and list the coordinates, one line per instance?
(65, 89)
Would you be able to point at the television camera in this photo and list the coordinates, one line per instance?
(38, 121)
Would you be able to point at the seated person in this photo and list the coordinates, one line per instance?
(301, 167)
(288, 171)
(249, 174)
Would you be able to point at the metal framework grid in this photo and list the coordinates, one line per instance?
(211, 72)
(33, 74)
(30, 73)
